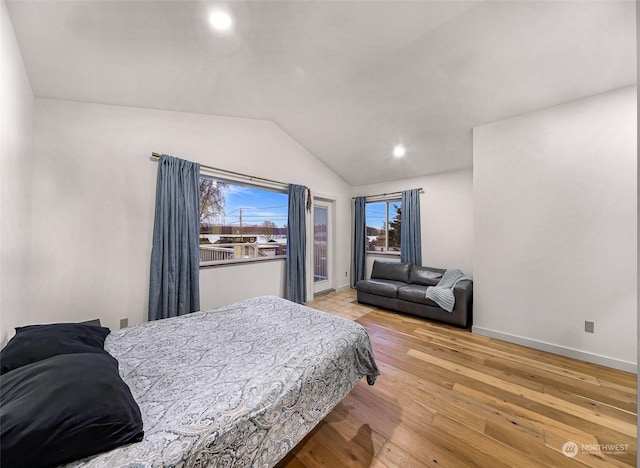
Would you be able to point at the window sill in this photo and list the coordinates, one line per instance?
(240, 261)
(384, 254)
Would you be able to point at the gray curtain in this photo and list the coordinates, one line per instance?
(359, 266)
(410, 238)
(296, 284)
(174, 286)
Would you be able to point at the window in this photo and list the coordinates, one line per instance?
(384, 222)
(241, 222)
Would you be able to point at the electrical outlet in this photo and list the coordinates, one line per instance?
(124, 323)
(345, 273)
(589, 326)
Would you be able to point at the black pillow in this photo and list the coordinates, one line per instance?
(65, 408)
(34, 343)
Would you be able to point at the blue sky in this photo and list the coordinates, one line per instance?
(258, 205)
(376, 213)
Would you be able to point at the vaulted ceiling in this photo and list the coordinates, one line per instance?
(347, 79)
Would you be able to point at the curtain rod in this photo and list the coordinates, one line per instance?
(385, 194)
(224, 171)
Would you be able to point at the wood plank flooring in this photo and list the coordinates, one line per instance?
(448, 398)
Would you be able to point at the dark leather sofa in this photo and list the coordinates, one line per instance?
(401, 287)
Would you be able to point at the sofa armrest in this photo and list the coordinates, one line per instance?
(463, 292)
(463, 287)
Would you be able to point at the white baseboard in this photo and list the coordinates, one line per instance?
(561, 350)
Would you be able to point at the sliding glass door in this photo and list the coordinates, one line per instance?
(322, 248)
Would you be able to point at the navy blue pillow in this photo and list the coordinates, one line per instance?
(34, 343)
(63, 409)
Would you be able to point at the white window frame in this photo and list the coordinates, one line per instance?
(387, 201)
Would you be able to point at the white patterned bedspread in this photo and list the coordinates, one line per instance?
(240, 385)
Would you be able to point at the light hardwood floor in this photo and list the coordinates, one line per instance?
(449, 398)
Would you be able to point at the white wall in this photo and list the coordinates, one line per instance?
(16, 140)
(555, 204)
(93, 202)
(240, 281)
(638, 216)
(446, 213)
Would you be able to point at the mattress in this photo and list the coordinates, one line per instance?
(239, 385)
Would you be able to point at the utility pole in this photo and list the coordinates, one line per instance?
(241, 233)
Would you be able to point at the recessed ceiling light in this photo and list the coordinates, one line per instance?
(221, 21)
(399, 151)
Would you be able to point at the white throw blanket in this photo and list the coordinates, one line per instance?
(442, 294)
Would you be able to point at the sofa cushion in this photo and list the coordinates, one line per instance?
(415, 293)
(425, 276)
(393, 271)
(386, 288)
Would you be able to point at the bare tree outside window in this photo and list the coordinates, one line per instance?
(267, 230)
(212, 199)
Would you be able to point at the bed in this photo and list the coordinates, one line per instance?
(240, 385)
